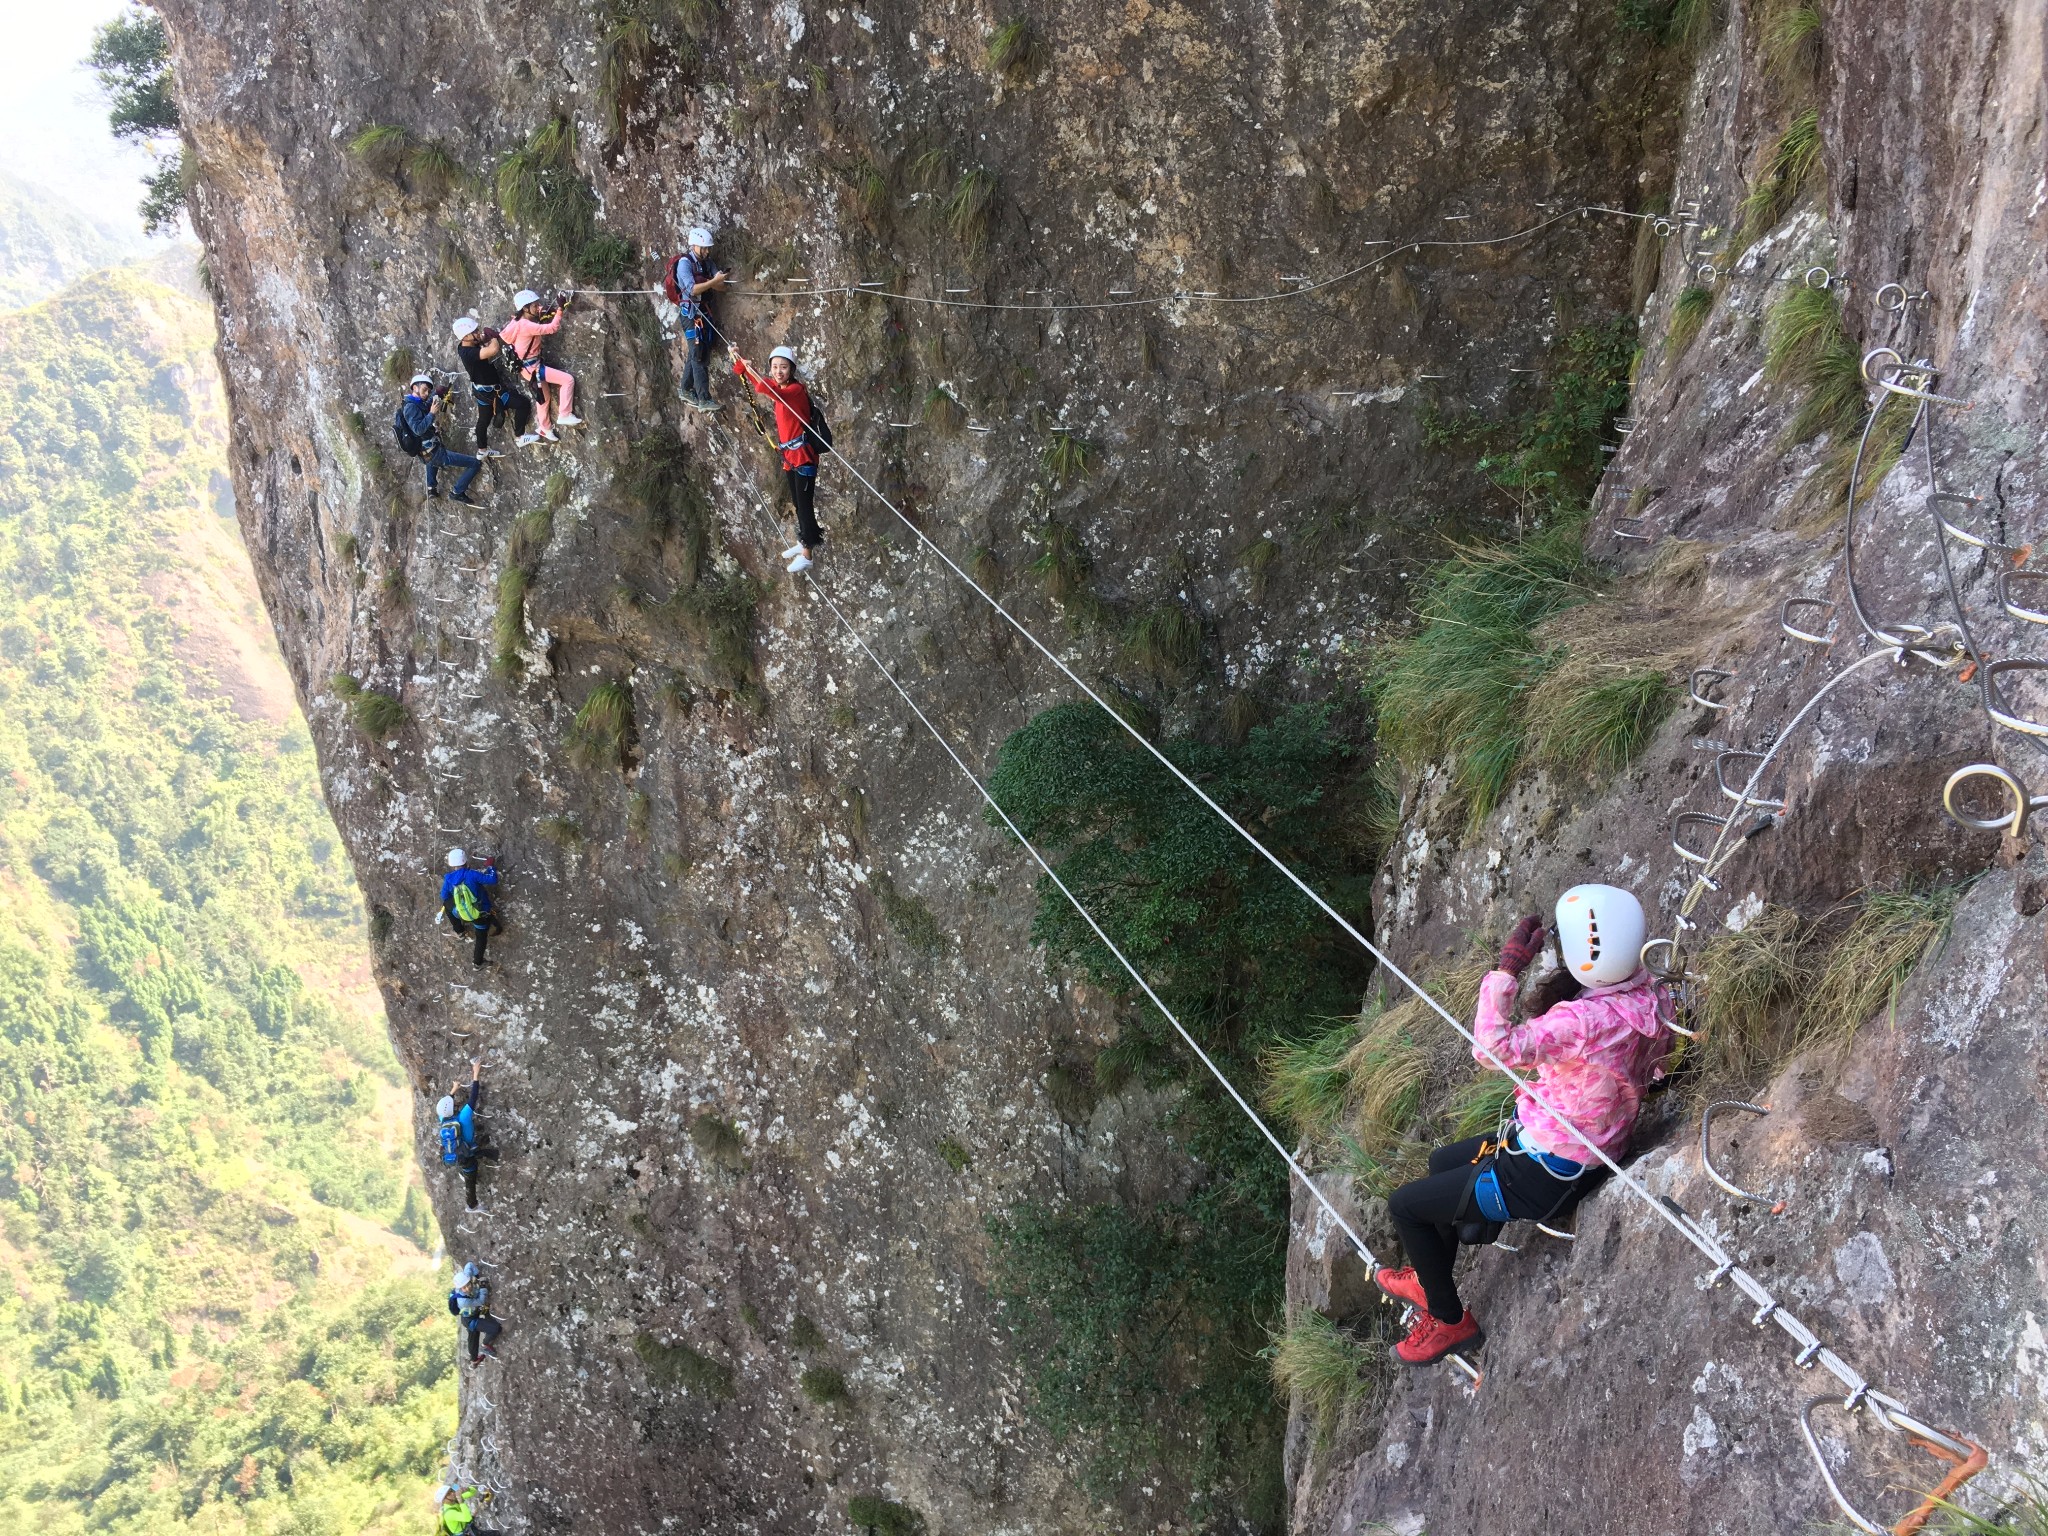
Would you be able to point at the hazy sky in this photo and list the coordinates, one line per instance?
(53, 120)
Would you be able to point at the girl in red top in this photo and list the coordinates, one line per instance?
(793, 413)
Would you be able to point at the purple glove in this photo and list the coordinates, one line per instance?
(1522, 945)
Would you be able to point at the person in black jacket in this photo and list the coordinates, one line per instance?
(497, 399)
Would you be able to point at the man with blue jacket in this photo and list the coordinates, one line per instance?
(466, 899)
(418, 427)
(461, 1144)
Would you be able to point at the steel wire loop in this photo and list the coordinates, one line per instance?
(1777, 1208)
(2022, 805)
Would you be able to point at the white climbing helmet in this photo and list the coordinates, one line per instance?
(786, 353)
(464, 324)
(420, 378)
(701, 237)
(444, 1493)
(446, 1108)
(457, 857)
(522, 298)
(1600, 933)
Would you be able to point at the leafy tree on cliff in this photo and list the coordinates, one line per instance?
(132, 57)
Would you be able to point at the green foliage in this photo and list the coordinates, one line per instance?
(1257, 561)
(1675, 23)
(1807, 346)
(1307, 1081)
(717, 615)
(953, 1155)
(399, 366)
(131, 56)
(2025, 1513)
(165, 192)
(376, 715)
(200, 1197)
(1892, 933)
(541, 191)
(668, 505)
(877, 1516)
(1067, 457)
(868, 193)
(1556, 459)
(720, 1142)
(1787, 166)
(824, 1384)
(1455, 689)
(392, 152)
(1017, 52)
(1166, 642)
(678, 1365)
(1063, 562)
(1689, 312)
(970, 209)
(1141, 1326)
(1792, 41)
(602, 731)
(910, 917)
(804, 1334)
(1596, 724)
(1325, 1367)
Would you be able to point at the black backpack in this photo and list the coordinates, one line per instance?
(410, 443)
(818, 432)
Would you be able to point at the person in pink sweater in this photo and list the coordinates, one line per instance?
(1595, 1038)
(533, 320)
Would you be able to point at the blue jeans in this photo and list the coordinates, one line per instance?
(697, 369)
(442, 457)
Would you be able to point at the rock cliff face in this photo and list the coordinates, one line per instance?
(766, 961)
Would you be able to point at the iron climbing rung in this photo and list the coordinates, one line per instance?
(1939, 499)
(1996, 707)
(1702, 682)
(1795, 631)
(2023, 805)
(2007, 581)
(1740, 795)
(1678, 826)
(1633, 528)
(1777, 1208)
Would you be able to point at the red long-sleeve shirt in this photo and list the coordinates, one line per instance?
(792, 415)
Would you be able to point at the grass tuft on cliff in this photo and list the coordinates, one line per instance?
(970, 208)
(1689, 313)
(1807, 346)
(541, 191)
(602, 731)
(1165, 642)
(1786, 168)
(678, 1365)
(1324, 1368)
(423, 166)
(874, 1515)
(1018, 52)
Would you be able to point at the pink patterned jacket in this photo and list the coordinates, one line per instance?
(1593, 1056)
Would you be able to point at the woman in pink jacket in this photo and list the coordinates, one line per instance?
(532, 320)
(1597, 1037)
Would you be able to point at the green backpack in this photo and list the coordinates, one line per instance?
(464, 902)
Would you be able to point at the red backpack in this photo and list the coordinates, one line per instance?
(670, 288)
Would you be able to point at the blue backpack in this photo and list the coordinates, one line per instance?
(451, 1140)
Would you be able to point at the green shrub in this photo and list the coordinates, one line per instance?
(910, 917)
(868, 194)
(1017, 52)
(668, 506)
(877, 1516)
(1324, 1367)
(399, 366)
(508, 621)
(540, 190)
(717, 615)
(678, 1365)
(1067, 457)
(1166, 642)
(1306, 1081)
(805, 1334)
(603, 728)
(720, 1142)
(824, 1384)
(1556, 459)
(1595, 719)
(1063, 563)
(376, 715)
(1689, 312)
(1792, 41)
(1258, 561)
(1787, 166)
(970, 209)
(1892, 933)
(425, 167)
(953, 1155)
(1806, 345)
(1746, 1013)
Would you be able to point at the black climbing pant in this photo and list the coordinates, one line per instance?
(467, 1163)
(502, 404)
(1426, 1212)
(481, 1331)
(483, 928)
(803, 488)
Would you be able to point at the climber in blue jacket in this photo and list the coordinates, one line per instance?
(461, 1143)
(418, 425)
(466, 899)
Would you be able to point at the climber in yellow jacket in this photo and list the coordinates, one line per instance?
(457, 1511)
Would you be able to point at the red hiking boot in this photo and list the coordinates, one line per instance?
(1402, 1285)
(1430, 1339)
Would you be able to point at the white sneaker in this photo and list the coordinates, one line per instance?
(568, 421)
(549, 437)
(489, 453)
(792, 552)
(526, 439)
(799, 565)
